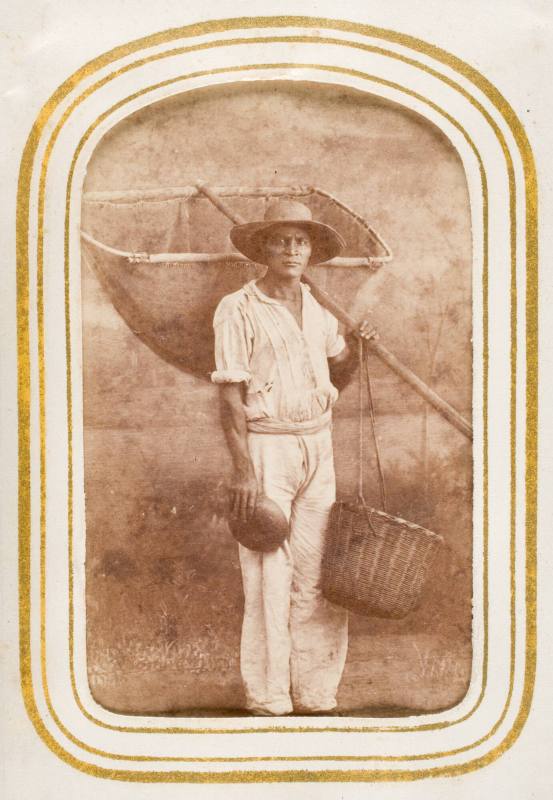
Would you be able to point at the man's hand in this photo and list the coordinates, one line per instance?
(243, 495)
(367, 331)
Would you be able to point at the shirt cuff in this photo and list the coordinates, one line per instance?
(230, 376)
(337, 347)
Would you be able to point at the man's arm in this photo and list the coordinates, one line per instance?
(243, 489)
(342, 367)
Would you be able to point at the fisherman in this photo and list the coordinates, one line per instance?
(279, 359)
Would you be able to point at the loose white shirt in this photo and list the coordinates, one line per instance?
(284, 366)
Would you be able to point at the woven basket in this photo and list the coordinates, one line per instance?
(376, 564)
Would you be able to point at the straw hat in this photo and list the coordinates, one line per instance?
(265, 530)
(250, 237)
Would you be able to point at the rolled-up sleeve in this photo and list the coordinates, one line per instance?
(232, 345)
(334, 341)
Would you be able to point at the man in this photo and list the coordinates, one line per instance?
(273, 347)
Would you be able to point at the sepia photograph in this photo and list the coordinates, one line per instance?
(273, 418)
(277, 393)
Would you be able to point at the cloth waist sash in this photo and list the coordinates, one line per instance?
(271, 425)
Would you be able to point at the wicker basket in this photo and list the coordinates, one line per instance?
(376, 564)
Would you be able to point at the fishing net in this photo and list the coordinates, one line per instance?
(170, 304)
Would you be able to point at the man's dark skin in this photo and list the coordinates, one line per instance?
(287, 253)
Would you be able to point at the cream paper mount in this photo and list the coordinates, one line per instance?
(489, 141)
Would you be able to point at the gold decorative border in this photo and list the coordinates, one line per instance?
(24, 377)
(82, 142)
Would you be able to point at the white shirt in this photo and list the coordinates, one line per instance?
(285, 367)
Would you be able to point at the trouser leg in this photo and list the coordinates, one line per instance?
(267, 578)
(265, 642)
(318, 629)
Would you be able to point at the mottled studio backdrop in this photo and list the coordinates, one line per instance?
(164, 599)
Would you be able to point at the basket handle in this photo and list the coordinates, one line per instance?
(364, 371)
(369, 515)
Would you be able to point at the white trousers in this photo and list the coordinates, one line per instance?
(294, 642)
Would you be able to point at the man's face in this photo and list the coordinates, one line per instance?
(287, 251)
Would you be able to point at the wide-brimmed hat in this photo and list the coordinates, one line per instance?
(250, 237)
(265, 530)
